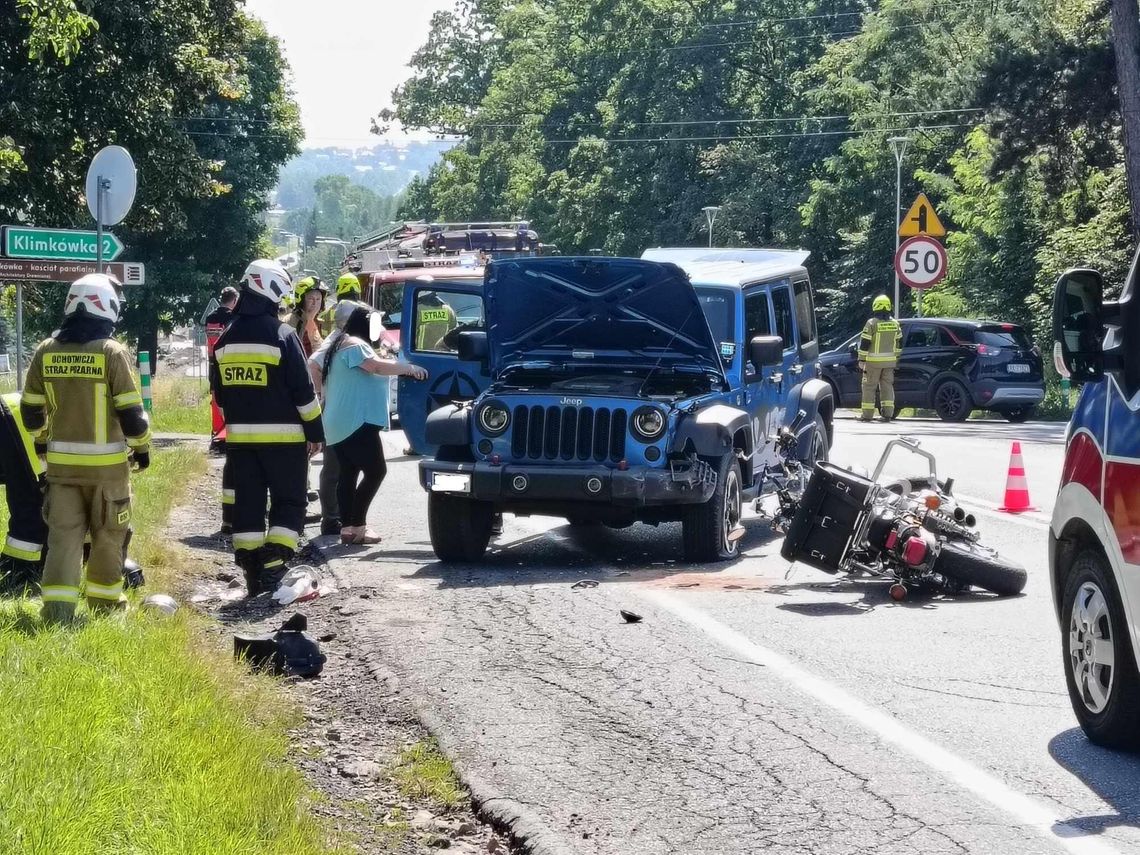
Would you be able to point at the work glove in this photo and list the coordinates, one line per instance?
(142, 460)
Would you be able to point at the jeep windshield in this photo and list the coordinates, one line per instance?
(665, 384)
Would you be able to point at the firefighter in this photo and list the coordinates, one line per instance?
(22, 554)
(217, 321)
(273, 425)
(435, 320)
(81, 397)
(879, 347)
(347, 288)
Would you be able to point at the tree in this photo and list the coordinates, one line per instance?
(1126, 46)
(196, 91)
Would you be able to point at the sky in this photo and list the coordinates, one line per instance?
(346, 56)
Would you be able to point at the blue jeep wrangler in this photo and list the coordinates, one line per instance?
(612, 391)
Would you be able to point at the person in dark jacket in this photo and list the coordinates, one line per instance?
(216, 322)
(273, 425)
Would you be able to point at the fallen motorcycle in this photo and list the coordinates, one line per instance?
(911, 531)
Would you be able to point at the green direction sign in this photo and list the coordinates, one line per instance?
(58, 244)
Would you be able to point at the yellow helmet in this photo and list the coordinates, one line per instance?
(347, 284)
(882, 303)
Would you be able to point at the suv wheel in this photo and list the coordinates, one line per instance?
(1019, 415)
(707, 529)
(1100, 669)
(459, 528)
(952, 402)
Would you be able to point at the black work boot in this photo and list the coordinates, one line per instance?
(330, 525)
(250, 563)
(19, 578)
(274, 566)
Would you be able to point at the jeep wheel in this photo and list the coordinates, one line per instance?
(459, 528)
(817, 450)
(707, 529)
(1100, 670)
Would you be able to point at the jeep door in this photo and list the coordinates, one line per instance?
(764, 390)
(434, 313)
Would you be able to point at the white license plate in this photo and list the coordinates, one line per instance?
(446, 482)
(1018, 368)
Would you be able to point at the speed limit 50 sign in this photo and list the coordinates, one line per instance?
(921, 262)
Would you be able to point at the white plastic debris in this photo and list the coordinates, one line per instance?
(300, 584)
(163, 603)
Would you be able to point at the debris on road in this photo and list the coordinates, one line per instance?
(585, 583)
(630, 617)
(163, 603)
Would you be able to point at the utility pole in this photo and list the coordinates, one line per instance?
(1126, 46)
(898, 146)
(710, 214)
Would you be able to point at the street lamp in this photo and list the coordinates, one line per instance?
(898, 146)
(710, 214)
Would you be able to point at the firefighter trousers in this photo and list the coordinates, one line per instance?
(330, 477)
(227, 495)
(24, 493)
(71, 511)
(881, 378)
(274, 475)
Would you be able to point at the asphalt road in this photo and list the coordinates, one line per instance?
(757, 707)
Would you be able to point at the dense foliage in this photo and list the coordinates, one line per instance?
(194, 89)
(611, 123)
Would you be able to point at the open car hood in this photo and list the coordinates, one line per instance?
(583, 311)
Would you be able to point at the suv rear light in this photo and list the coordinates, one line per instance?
(988, 350)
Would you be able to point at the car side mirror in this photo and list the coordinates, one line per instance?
(1079, 325)
(472, 346)
(764, 351)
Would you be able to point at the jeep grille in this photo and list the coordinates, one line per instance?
(568, 433)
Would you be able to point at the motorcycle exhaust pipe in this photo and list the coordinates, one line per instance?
(959, 515)
(970, 521)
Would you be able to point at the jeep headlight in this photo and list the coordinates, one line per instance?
(494, 418)
(648, 423)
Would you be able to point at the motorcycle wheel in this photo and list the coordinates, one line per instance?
(971, 564)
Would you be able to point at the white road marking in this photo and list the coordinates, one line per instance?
(1023, 809)
(990, 509)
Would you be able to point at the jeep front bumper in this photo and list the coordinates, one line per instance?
(692, 483)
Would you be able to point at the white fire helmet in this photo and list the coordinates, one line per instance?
(95, 294)
(267, 278)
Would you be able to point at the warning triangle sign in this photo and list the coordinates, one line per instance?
(921, 219)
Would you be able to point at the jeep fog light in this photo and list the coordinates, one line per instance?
(494, 418)
(648, 423)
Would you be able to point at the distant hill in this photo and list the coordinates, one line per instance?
(385, 168)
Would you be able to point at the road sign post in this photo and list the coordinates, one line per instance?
(19, 336)
(921, 220)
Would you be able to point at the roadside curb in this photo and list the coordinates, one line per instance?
(506, 815)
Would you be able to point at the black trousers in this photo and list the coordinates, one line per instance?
(227, 492)
(27, 531)
(362, 469)
(275, 475)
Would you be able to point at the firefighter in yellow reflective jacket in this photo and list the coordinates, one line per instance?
(434, 320)
(81, 397)
(347, 288)
(879, 347)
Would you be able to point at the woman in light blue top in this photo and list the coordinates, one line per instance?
(355, 382)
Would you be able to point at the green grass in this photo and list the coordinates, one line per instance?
(137, 734)
(423, 772)
(181, 405)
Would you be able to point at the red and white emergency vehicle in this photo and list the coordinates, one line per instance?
(1094, 541)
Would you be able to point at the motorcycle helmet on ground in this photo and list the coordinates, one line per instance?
(95, 294)
(882, 303)
(268, 279)
(347, 285)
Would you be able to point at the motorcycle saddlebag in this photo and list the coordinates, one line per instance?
(820, 532)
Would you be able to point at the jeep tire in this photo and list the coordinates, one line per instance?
(706, 527)
(460, 528)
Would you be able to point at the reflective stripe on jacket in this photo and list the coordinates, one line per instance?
(12, 404)
(881, 342)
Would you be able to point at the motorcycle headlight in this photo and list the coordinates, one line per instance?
(494, 418)
(648, 423)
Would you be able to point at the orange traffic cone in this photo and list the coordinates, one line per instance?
(1016, 487)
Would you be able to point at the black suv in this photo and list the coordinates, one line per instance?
(953, 367)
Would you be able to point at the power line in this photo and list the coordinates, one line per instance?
(744, 137)
(683, 122)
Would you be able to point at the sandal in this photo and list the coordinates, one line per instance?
(366, 535)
